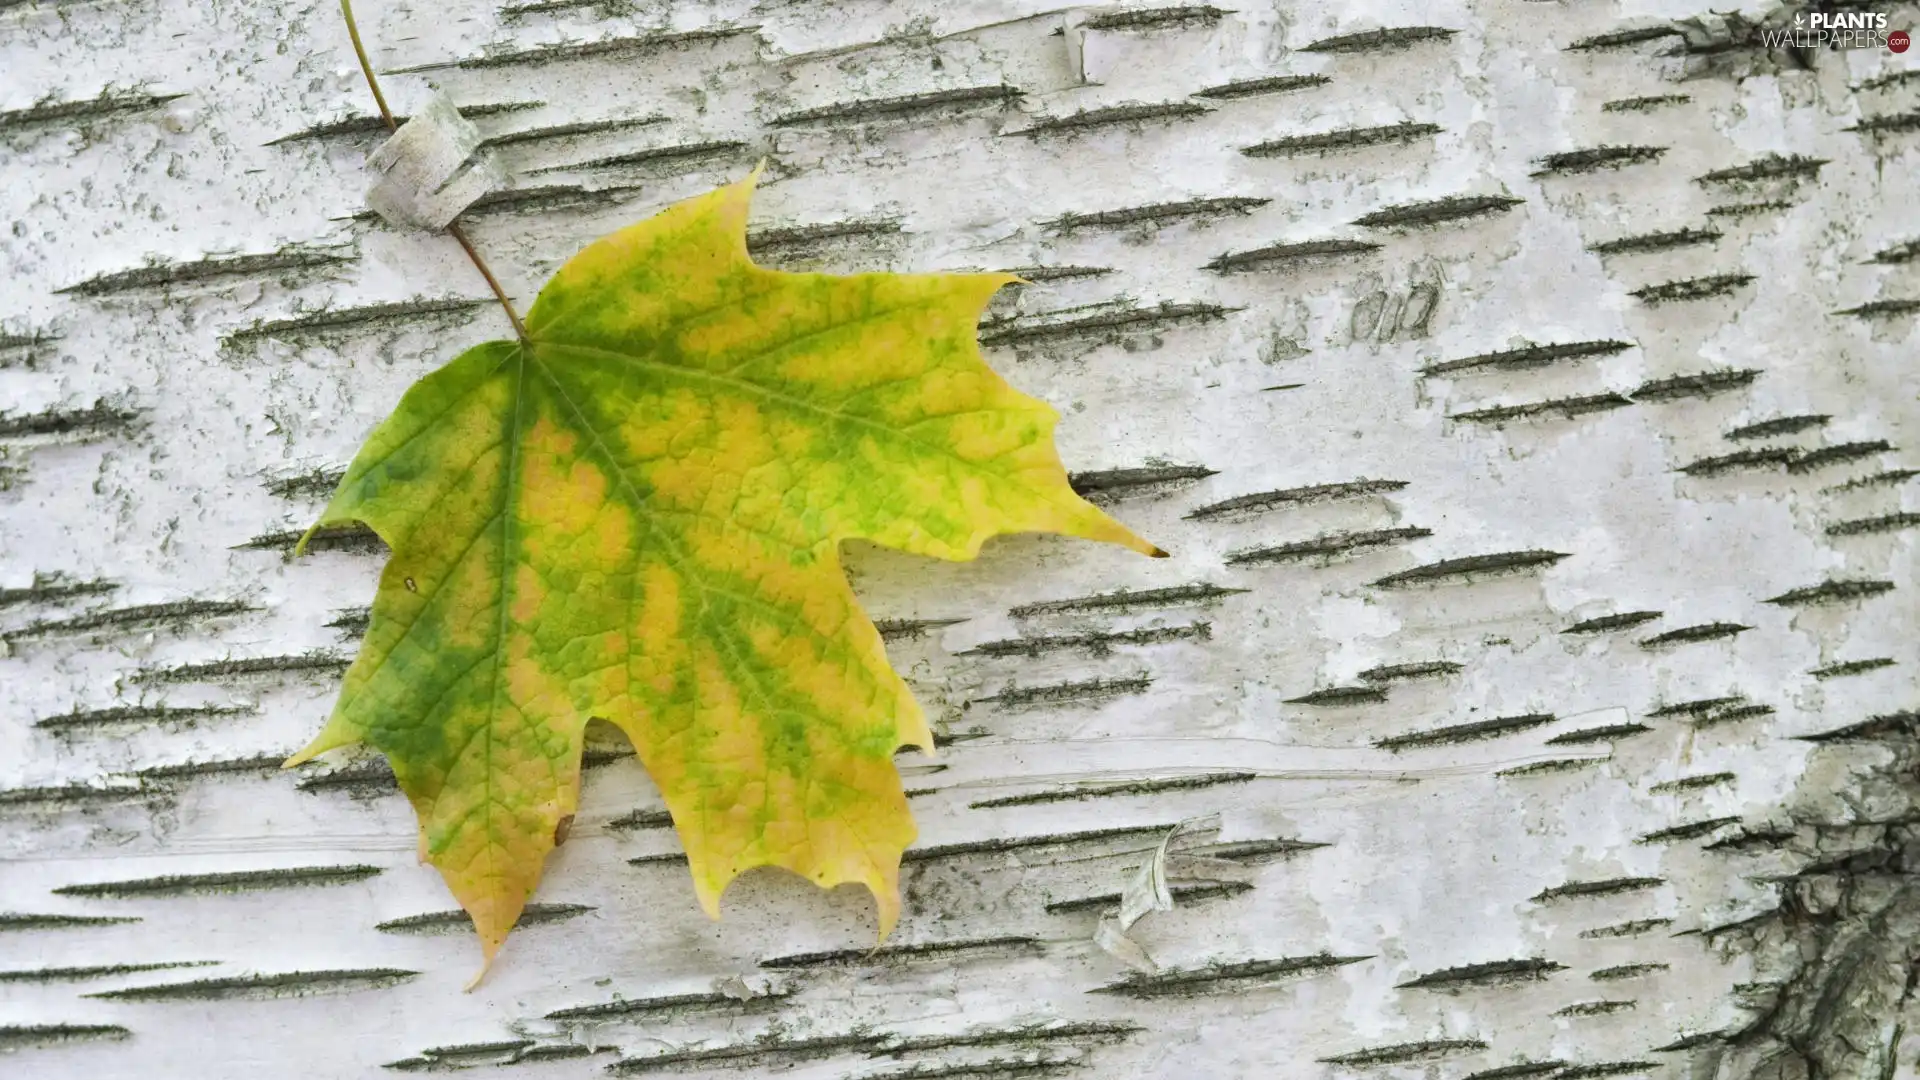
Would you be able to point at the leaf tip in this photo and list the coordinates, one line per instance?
(1092, 523)
(493, 935)
(912, 729)
(886, 899)
(333, 736)
(996, 281)
(708, 894)
(1131, 540)
(300, 548)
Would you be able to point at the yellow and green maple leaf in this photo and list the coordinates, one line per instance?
(635, 513)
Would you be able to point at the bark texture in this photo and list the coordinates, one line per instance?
(1526, 392)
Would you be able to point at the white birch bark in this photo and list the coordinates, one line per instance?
(1529, 407)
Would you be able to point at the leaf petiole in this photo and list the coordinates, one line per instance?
(453, 228)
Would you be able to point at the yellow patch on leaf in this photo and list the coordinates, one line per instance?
(636, 514)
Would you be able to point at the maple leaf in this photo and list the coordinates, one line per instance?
(635, 513)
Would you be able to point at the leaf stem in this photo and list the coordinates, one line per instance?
(366, 66)
(453, 227)
(480, 264)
